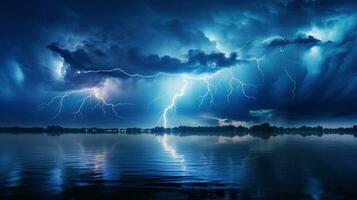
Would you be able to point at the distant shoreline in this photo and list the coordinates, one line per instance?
(262, 130)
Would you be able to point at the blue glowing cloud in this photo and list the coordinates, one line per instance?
(183, 63)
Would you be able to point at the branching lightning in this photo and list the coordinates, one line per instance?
(242, 84)
(96, 93)
(207, 79)
(209, 93)
(173, 101)
(60, 103)
(257, 61)
(83, 101)
(100, 96)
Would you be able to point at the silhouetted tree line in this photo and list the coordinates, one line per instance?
(264, 130)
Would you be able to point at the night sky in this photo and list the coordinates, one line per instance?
(170, 63)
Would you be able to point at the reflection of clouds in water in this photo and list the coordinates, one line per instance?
(234, 139)
(172, 151)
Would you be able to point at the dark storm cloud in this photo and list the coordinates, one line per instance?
(219, 59)
(300, 40)
(327, 94)
(197, 61)
(42, 41)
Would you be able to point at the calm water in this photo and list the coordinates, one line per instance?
(149, 166)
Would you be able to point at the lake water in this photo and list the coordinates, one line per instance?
(148, 166)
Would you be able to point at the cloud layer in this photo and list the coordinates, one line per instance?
(296, 58)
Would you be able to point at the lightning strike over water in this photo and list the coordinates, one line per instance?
(205, 79)
(173, 101)
(196, 99)
(208, 94)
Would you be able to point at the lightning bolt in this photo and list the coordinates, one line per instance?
(125, 73)
(79, 110)
(102, 101)
(210, 88)
(173, 101)
(209, 93)
(282, 52)
(206, 79)
(92, 93)
(60, 103)
(242, 84)
(257, 61)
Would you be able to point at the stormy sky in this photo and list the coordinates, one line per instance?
(169, 63)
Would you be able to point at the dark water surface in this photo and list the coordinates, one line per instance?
(145, 166)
